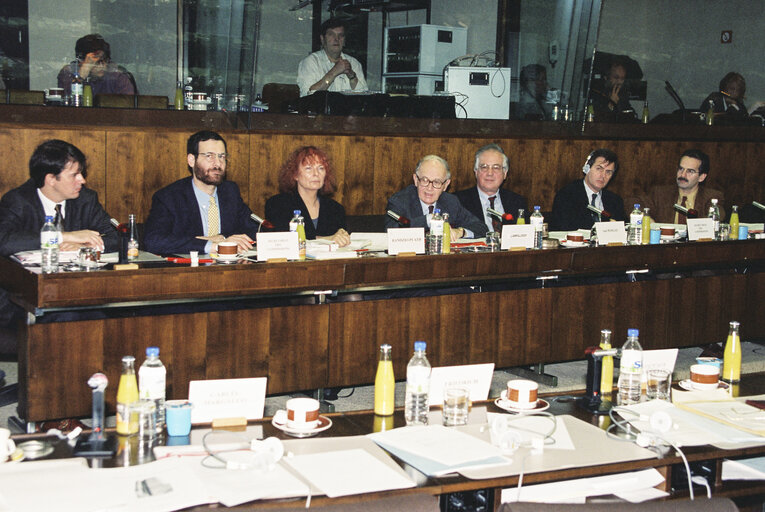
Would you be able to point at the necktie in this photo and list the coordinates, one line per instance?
(213, 226)
(58, 218)
(495, 223)
(681, 218)
(430, 209)
(595, 216)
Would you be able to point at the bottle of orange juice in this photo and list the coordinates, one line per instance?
(385, 383)
(127, 395)
(732, 355)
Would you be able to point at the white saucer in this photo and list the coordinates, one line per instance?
(324, 424)
(227, 258)
(503, 403)
(567, 243)
(686, 385)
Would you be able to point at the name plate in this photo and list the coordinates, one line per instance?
(514, 235)
(280, 244)
(475, 377)
(406, 240)
(227, 398)
(611, 233)
(701, 228)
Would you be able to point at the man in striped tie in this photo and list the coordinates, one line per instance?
(201, 211)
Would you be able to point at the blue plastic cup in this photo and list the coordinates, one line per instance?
(743, 232)
(655, 236)
(178, 417)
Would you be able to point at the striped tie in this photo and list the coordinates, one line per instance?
(213, 223)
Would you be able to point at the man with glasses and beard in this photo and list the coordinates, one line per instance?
(199, 212)
(417, 202)
(689, 190)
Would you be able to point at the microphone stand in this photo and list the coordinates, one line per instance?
(97, 443)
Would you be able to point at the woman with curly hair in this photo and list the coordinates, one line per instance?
(306, 180)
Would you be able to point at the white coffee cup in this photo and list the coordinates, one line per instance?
(705, 377)
(522, 393)
(7, 446)
(302, 413)
(228, 249)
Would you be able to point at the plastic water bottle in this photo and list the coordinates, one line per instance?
(77, 89)
(298, 224)
(636, 226)
(714, 214)
(417, 387)
(630, 369)
(49, 246)
(537, 220)
(152, 380)
(436, 236)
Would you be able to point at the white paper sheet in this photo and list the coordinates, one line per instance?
(581, 488)
(744, 469)
(352, 472)
(532, 427)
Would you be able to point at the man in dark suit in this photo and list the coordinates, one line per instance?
(56, 187)
(490, 169)
(689, 191)
(417, 202)
(570, 210)
(199, 212)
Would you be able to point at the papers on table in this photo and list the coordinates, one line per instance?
(437, 450)
(35, 257)
(635, 487)
(529, 430)
(744, 469)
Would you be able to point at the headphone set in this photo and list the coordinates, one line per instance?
(587, 166)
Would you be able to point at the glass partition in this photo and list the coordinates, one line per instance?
(229, 51)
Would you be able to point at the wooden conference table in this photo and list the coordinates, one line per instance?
(358, 423)
(308, 325)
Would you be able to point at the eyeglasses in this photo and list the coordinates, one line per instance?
(424, 182)
(689, 172)
(495, 167)
(210, 157)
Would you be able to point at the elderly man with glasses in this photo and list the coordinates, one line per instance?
(199, 212)
(490, 169)
(689, 191)
(417, 202)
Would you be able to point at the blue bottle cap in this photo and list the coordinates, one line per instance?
(632, 333)
(436, 210)
(152, 351)
(49, 218)
(637, 206)
(295, 212)
(419, 346)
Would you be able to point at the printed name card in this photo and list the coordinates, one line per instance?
(227, 398)
(406, 240)
(475, 377)
(662, 359)
(517, 236)
(699, 229)
(280, 244)
(611, 233)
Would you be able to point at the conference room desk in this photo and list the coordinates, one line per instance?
(670, 464)
(314, 324)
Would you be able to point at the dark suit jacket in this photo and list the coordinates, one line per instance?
(662, 198)
(22, 217)
(511, 202)
(407, 203)
(280, 208)
(174, 220)
(570, 208)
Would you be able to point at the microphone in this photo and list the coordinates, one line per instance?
(759, 205)
(506, 218)
(119, 226)
(402, 221)
(603, 213)
(264, 223)
(676, 97)
(688, 212)
(98, 383)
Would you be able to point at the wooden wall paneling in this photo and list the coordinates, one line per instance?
(17, 145)
(298, 348)
(237, 344)
(753, 312)
(450, 340)
(67, 354)
(523, 325)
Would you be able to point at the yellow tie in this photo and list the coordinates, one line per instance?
(213, 227)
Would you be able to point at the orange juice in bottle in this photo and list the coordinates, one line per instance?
(732, 355)
(385, 383)
(127, 395)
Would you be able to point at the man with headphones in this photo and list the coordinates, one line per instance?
(93, 63)
(570, 210)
